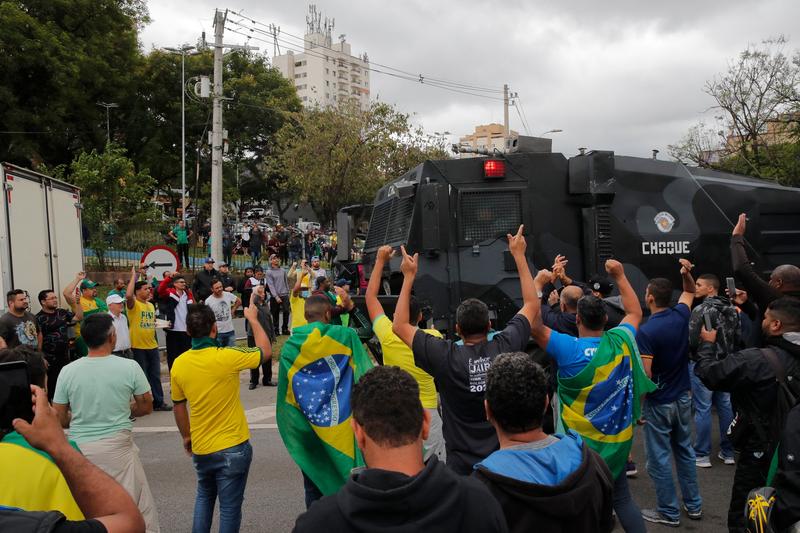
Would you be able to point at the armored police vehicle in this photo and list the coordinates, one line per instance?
(646, 213)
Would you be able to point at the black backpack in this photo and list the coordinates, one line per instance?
(30, 521)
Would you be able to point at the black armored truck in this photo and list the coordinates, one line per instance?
(644, 212)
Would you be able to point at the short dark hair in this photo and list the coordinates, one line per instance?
(787, 310)
(386, 404)
(711, 279)
(592, 312)
(178, 278)
(789, 274)
(12, 294)
(248, 268)
(413, 310)
(516, 391)
(199, 320)
(96, 328)
(258, 269)
(139, 284)
(661, 291)
(43, 294)
(472, 316)
(37, 369)
(214, 281)
(316, 305)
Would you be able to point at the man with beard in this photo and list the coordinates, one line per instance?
(751, 377)
(18, 325)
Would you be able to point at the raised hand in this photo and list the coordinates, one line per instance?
(614, 268)
(686, 266)
(409, 265)
(516, 243)
(741, 225)
(385, 253)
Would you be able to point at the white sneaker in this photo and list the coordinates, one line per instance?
(703, 462)
(726, 460)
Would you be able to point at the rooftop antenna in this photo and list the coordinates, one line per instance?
(275, 31)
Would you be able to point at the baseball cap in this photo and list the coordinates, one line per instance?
(601, 284)
(114, 299)
(88, 284)
(341, 282)
(223, 264)
(210, 260)
(315, 258)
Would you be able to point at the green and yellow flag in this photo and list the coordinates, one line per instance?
(602, 401)
(318, 366)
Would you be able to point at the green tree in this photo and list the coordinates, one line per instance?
(60, 57)
(114, 196)
(334, 157)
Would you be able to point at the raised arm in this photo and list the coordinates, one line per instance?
(630, 303)
(374, 307)
(130, 298)
(96, 493)
(400, 325)
(530, 297)
(540, 332)
(687, 296)
(259, 335)
(69, 290)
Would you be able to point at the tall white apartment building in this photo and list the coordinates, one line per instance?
(325, 73)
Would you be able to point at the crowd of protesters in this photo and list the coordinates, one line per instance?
(526, 428)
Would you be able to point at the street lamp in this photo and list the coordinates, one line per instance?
(182, 51)
(108, 129)
(551, 131)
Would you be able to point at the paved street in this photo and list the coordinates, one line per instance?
(274, 494)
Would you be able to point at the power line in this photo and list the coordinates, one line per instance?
(464, 88)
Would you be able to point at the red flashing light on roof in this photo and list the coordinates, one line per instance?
(494, 168)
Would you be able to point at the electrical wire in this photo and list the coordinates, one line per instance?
(524, 115)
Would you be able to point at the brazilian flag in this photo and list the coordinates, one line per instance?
(318, 366)
(602, 401)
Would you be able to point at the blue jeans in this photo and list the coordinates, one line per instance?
(668, 433)
(223, 474)
(150, 361)
(702, 399)
(226, 339)
(628, 513)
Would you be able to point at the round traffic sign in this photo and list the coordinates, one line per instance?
(159, 260)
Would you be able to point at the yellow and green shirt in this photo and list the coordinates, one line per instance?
(207, 376)
(142, 325)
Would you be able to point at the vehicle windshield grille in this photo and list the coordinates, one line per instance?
(390, 222)
(489, 214)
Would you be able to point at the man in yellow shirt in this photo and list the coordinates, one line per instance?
(397, 353)
(215, 434)
(298, 280)
(142, 327)
(90, 304)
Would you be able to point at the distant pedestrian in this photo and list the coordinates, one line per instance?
(264, 318)
(201, 287)
(122, 347)
(278, 284)
(256, 243)
(176, 301)
(181, 234)
(90, 304)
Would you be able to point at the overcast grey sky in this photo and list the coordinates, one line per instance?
(623, 75)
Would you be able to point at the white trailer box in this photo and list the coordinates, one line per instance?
(41, 244)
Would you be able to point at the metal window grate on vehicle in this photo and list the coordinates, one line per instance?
(489, 214)
(390, 222)
(605, 248)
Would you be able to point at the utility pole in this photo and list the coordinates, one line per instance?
(108, 121)
(183, 51)
(216, 140)
(505, 110)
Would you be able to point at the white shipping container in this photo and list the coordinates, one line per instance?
(41, 244)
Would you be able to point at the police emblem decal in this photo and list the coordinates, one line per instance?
(664, 222)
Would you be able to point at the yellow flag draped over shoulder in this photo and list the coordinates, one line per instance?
(318, 366)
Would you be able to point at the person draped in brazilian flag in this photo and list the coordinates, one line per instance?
(600, 382)
(319, 364)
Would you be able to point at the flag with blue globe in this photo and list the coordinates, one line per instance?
(318, 366)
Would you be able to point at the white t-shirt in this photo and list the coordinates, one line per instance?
(222, 309)
(180, 313)
(123, 334)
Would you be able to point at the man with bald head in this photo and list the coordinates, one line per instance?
(784, 280)
(562, 318)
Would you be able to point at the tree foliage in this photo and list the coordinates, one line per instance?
(60, 57)
(759, 121)
(334, 157)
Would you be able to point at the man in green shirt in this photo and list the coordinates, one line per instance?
(181, 236)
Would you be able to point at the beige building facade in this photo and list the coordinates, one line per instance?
(487, 136)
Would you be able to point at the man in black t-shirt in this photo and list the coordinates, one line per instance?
(460, 368)
(54, 323)
(18, 326)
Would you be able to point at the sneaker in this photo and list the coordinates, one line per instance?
(163, 407)
(252, 386)
(726, 460)
(703, 461)
(270, 384)
(630, 469)
(651, 515)
(693, 515)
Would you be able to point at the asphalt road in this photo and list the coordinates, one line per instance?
(274, 495)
